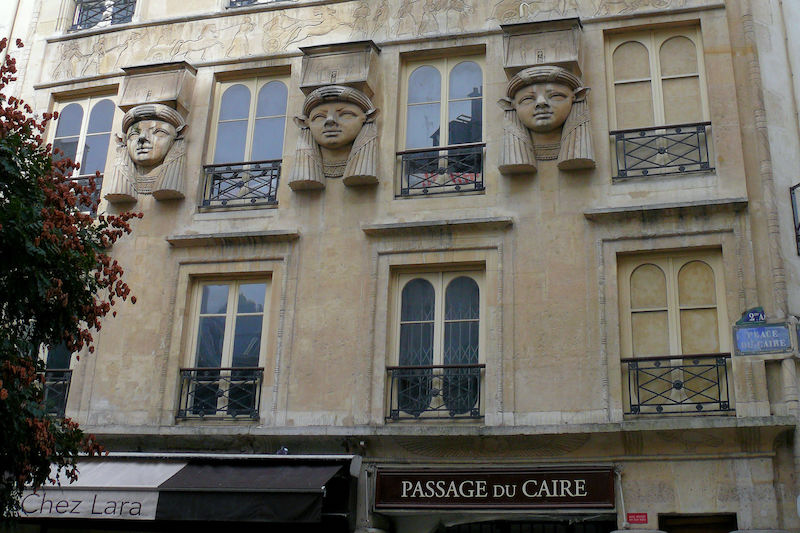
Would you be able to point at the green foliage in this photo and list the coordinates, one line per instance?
(56, 284)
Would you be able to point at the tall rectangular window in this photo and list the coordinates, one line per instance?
(438, 325)
(83, 133)
(674, 334)
(227, 349)
(658, 101)
(442, 127)
(250, 121)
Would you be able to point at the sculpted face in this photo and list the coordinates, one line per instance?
(335, 124)
(544, 107)
(149, 141)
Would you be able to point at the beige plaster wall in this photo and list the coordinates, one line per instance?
(552, 304)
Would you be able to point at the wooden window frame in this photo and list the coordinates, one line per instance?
(671, 264)
(445, 66)
(652, 40)
(254, 85)
(230, 315)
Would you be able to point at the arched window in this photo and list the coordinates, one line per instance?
(444, 110)
(248, 143)
(83, 132)
(671, 305)
(438, 345)
(657, 78)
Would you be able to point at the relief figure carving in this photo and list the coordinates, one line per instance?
(546, 118)
(623, 7)
(338, 139)
(207, 39)
(150, 155)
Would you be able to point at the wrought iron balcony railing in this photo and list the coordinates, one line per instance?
(91, 13)
(435, 391)
(56, 384)
(794, 192)
(662, 150)
(242, 184)
(447, 169)
(678, 384)
(220, 392)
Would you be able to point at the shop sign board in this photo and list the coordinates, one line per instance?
(636, 518)
(523, 488)
(113, 504)
(752, 339)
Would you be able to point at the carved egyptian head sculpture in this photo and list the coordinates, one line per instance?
(150, 155)
(338, 139)
(546, 118)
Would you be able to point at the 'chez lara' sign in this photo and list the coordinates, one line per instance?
(531, 488)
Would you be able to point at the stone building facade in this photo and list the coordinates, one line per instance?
(433, 265)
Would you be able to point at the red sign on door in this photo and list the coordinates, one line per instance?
(637, 518)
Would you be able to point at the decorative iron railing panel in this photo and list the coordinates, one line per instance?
(793, 193)
(678, 385)
(220, 392)
(56, 384)
(435, 391)
(91, 13)
(242, 184)
(661, 150)
(447, 169)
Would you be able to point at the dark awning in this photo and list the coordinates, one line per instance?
(245, 493)
(199, 487)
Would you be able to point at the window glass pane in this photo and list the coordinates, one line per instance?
(677, 56)
(268, 138)
(696, 284)
(466, 80)
(416, 344)
(235, 103)
(247, 341)
(682, 104)
(272, 99)
(648, 287)
(210, 336)
(95, 151)
(650, 333)
(461, 342)
(101, 117)
(417, 301)
(631, 62)
(68, 145)
(69, 121)
(215, 299)
(464, 120)
(699, 331)
(422, 128)
(231, 138)
(462, 299)
(634, 105)
(424, 85)
(251, 298)
(416, 323)
(58, 357)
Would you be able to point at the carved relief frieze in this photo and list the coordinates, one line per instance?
(276, 31)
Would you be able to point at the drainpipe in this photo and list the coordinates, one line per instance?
(11, 31)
